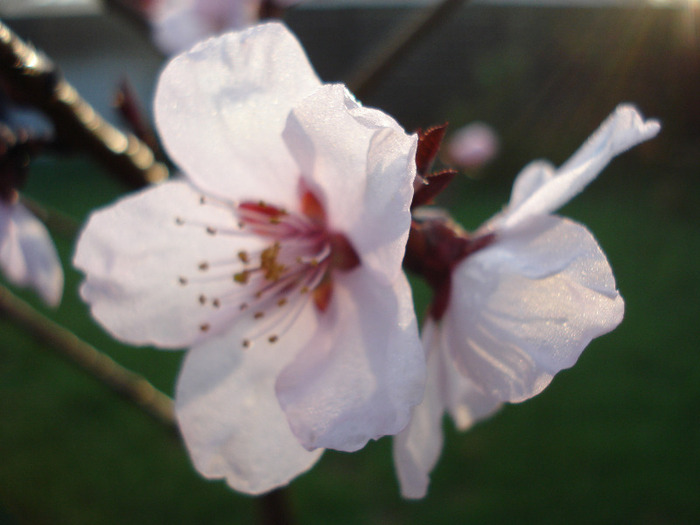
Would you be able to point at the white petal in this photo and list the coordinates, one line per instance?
(230, 419)
(221, 108)
(156, 261)
(525, 307)
(539, 189)
(176, 27)
(362, 371)
(28, 256)
(418, 446)
(363, 163)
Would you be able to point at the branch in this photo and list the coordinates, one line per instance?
(127, 384)
(33, 79)
(380, 61)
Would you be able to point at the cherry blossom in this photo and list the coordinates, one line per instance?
(276, 260)
(179, 24)
(516, 301)
(28, 256)
(473, 145)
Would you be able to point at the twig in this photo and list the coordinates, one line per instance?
(59, 223)
(33, 79)
(127, 384)
(373, 68)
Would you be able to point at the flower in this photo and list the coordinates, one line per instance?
(277, 261)
(27, 254)
(179, 24)
(518, 300)
(473, 145)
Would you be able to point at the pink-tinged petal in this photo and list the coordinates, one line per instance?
(221, 108)
(359, 159)
(229, 416)
(177, 27)
(28, 256)
(526, 306)
(418, 446)
(544, 189)
(473, 145)
(158, 266)
(362, 371)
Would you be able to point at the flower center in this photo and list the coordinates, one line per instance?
(295, 264)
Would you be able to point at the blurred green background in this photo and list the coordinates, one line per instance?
(613, 440)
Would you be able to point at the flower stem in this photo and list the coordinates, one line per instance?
(127, 384)
(33, 79)
(396, 46)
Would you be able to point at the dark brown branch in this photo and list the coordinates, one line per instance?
(125, 383)
(372, 70)
(33, 79)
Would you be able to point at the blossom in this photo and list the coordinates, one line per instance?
(276, 260)
(27, 254)
(519, 301)
(179, 24)
(473, 145)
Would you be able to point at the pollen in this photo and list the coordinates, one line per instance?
(269, 264)
(242, 277)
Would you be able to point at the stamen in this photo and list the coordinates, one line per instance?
(182, 280)
(242, 277)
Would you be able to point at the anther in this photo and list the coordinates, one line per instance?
(282, 301)
(202, 200)
(243, 306)
(203, 266)
(241, 277)
(211, 230)
(216, 303)
(204, 327)
(258, 315)
(182, 280)
(243, 256)
(273, 339)
(202, 299)
(179, 221)
(245, 343)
